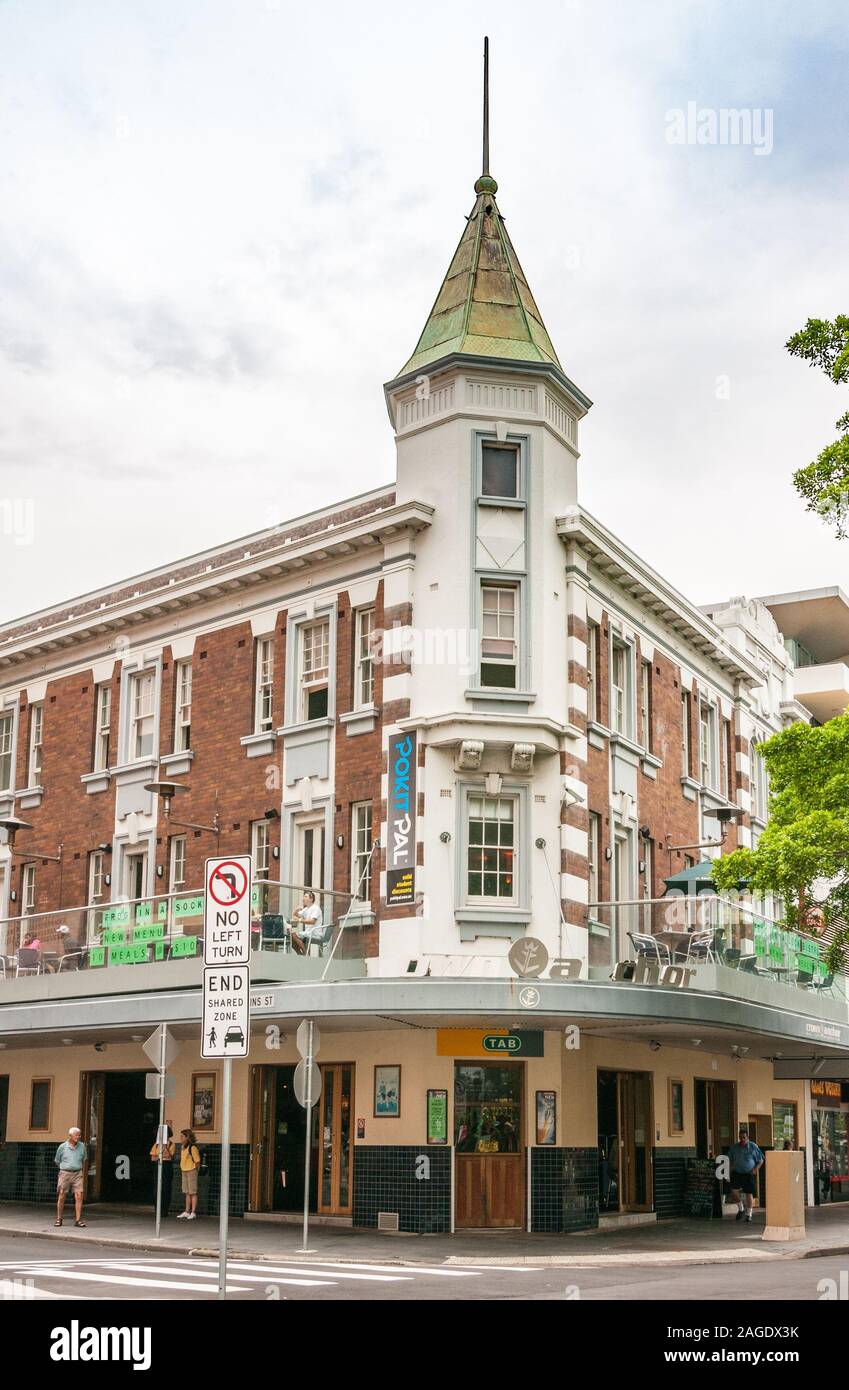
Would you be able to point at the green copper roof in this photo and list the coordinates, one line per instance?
(484, 307)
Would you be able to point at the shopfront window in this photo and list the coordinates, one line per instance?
(831, 1146)
(487, 1109)
(784, 1125)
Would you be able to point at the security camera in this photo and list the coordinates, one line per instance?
(100, 1047)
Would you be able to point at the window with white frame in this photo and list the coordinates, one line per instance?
(646, 849)
(28, 890)
(177, 863)
(264, 685)
(314, 640)
(685, 733)
(260, 848)
(36, 744)
(645, 704)
(95, 876)
(142, 708)
(593, 843)
(491, 852)
(364, 658)
(621, 687)
(7, 741)
(723, 758)
(499, 635)
(759, 779)
(102, 720)
(592, 671)
(183, 706)
(361, 839)
(707, 744)
(499, 470)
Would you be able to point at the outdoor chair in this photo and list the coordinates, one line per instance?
(319, 942)
(649, 948)
(74, 960)
(28, 961)
(824, 984)
(701, 947)
(749, 966)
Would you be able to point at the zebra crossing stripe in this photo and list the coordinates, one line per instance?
(212, 1274)
(85, 1277)
(240, 1266)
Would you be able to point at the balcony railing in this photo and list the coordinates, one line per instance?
(688, 929)
(170, 927)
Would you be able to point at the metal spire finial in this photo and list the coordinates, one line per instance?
(486, 184)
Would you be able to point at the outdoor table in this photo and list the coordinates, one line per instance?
(676, 940)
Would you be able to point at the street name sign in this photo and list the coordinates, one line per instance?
(227, 911)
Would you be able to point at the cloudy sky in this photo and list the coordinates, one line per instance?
(224, 223)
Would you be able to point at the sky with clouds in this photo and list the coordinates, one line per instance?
(224, 223)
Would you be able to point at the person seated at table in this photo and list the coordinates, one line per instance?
(70, 947)
(31, 943)
(307, 923)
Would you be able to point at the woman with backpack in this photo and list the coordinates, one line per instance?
(190, 1161)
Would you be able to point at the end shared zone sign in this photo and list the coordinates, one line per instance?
(226, 957)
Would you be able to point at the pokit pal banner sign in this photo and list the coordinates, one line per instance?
(401, 821)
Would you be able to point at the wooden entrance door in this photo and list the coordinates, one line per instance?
(635, 1129)
(261, 1173)
(92, 1097)
(489, 1145)
(335, 1188)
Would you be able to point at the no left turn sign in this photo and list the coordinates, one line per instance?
(227, 911)
(227, 881)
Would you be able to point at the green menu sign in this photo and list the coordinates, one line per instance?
(437, 1117)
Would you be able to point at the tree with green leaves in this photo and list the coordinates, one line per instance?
(806, 839)
(824, 484)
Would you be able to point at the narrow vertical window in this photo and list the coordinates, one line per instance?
(260, 848)
(102, 719)
(364, 658)
(361, 839)
(7, 738)
(28, 890)
(621, 688)
(645, 704)
(177, 866)
(183, 706)
(592, 672)
(263, 698)
(142, 714)
(500, 635)
(593, 840)
(36, 741)
(685, 733)
(315, 669)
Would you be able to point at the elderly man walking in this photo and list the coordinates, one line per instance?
(70, 1160)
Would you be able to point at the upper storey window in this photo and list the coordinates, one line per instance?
(500, 470)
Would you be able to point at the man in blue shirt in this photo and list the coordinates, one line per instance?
(70, 1160)
(746, 1160)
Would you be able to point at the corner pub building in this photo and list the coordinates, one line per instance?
(533, 1010)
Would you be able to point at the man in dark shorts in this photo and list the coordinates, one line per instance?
(746, 1160)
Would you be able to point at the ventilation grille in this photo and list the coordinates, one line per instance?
(387, 1221)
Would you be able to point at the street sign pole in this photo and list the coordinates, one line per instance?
(226, 1006)
(308, 1103)
(162, 1045)
(224, 1199)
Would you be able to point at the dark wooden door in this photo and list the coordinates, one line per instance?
(488, 1128)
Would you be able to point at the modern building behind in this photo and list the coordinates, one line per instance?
(576, 737)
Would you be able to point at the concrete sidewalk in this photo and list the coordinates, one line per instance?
(662, 1243)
